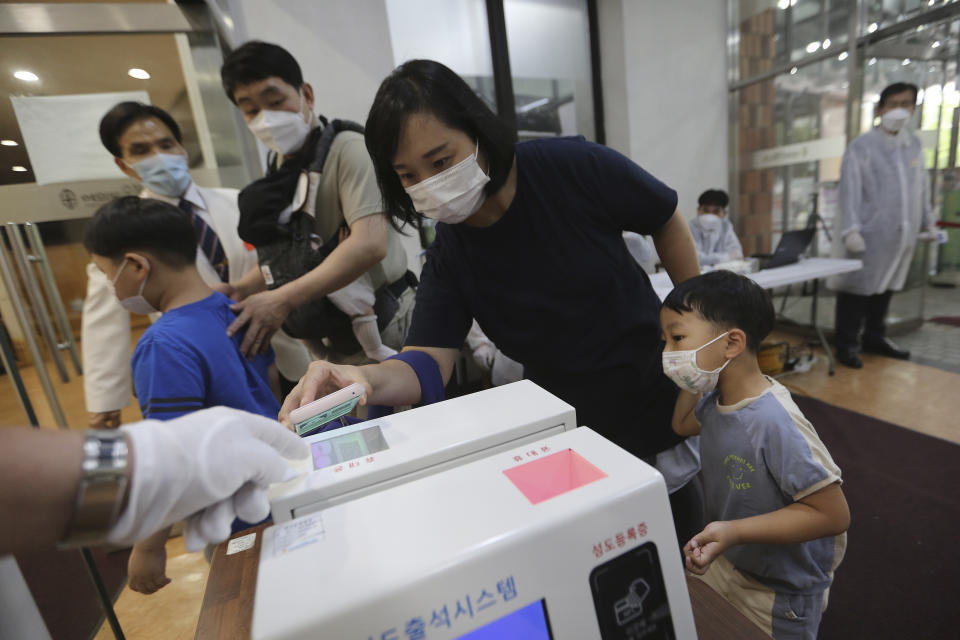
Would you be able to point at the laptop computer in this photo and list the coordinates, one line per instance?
(791, 246)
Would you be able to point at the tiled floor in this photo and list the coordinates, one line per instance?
(910, 394)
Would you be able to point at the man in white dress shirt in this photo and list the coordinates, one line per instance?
(147, 146)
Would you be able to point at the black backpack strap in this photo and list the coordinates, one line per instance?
(330, 132)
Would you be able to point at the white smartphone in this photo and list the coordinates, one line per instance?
(310, 417)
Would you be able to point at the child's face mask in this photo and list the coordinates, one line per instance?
(682, 368)
(135, 304)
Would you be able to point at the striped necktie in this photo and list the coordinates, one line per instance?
(208, 242)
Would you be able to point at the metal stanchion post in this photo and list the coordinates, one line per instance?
(39, 255)
(10, 364)
(36, 298)
(6, 271)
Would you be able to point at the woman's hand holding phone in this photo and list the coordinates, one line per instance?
(322, 378)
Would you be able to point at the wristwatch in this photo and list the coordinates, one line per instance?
(102, 487)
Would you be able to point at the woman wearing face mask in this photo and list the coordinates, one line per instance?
(529, 243)
(712, 233)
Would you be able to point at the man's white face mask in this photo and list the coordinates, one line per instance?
(282, 131)
(895, 119)
(454, 194)
(709, 221)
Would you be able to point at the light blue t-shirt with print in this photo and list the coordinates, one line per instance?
(758, 456)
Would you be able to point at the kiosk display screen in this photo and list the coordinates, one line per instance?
(528, 623)
(630, 597)
(347, 446)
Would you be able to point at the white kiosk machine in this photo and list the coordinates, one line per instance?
(354, 461)
(568, 537)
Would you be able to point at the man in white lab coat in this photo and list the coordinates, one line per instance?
(884, 204)
(147, 146)
(712, 232)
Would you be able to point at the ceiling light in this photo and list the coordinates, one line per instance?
(27, 76)
(843, 56)
(905, 62)
(18, 168)
(783, 4)
(872, 62)
(813, 46)
(873, 27)
(793, 71)
(827, 43)
(935, 44)
(9, 143)
(139, 74)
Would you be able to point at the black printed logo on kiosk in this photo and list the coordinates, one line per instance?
(630, 597)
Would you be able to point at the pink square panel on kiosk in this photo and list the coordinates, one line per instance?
(553, 475)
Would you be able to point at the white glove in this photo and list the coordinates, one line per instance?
(483, 355)
(854, 242)
(208, 467)
(930, 234)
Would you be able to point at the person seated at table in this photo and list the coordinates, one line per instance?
(712, 232)
(185, 361)
(777, 515)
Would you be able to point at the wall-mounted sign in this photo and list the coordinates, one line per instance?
(62, 201)
(61, 134)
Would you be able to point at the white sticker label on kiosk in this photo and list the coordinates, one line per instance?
(297, 534)
(241, 544)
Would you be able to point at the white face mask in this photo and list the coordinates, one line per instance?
(282, 131)
(135, 304)
(894, 119)
(682, 368)
(454, 194)
(709, 221)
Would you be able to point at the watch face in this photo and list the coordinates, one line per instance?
(630, 597)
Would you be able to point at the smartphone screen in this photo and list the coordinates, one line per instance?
(315, 423)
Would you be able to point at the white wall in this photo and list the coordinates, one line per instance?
(665, 90)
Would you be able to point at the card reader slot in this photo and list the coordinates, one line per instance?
(426, 471)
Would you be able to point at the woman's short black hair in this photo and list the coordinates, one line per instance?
(119, 118)
(426, 86)
(137, 224)
(255, 61)
(714, 198)
(894, 89)
(727, 300)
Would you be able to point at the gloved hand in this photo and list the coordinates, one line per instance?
(854, 242)
(930, 234)
(483, 356)
(208, 467)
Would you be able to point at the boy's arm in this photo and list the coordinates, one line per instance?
(684, 422)
(147, 567)
(820, 514)
(273, 379)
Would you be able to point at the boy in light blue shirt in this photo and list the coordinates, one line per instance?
(777, 515)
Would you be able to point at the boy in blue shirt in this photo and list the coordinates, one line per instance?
(777, 515)
(184, 361)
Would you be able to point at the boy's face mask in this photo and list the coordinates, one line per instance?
(682, 368)
(135, 304)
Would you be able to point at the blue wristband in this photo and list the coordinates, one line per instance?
(428, 373)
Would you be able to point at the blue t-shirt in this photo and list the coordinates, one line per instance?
(553, 285)
(758, 456)
(186, 362)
